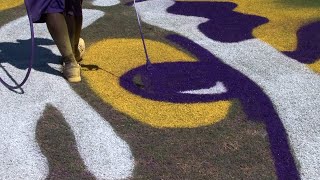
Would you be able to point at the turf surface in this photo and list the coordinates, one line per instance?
(240, 132)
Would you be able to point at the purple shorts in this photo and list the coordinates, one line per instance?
(39, 8)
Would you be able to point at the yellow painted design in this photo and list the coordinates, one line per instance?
(315, 66)
(117, 56)
(284, 20)
(7, 4)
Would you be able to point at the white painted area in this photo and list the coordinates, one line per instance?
(105, 154)
(105, 2)
(291, 86)
(219, 88)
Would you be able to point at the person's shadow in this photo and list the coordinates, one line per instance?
(18, 55)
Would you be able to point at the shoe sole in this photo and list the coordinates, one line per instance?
(74, 79)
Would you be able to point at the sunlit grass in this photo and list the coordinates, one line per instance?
(7, 4)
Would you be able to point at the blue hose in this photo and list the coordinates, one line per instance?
(31, 55)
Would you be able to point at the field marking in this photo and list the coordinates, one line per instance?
(291, 86)
(121, 55)
(219, 88)
(5, 4)
(105, 2)
(282, 37)
(104, 153)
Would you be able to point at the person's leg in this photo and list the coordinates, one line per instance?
(58, 29)
(74, 24)
(74, 18)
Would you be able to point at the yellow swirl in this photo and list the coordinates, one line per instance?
(121, 55)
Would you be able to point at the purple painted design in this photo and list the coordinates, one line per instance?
(308, 50)
(224, 24)
(167, 79)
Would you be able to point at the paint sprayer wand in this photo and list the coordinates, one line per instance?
(148, 62)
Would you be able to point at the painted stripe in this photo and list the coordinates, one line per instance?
(105, 2)
(115, 57)
(294, 14)
(103, 152)
(291, 86)
(219, 88)
(9, 4)
(315, 66)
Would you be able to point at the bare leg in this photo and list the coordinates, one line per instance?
(74, 24)
(58, 29)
